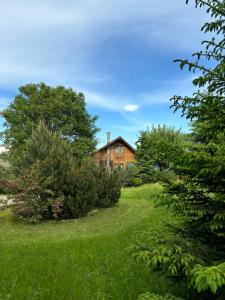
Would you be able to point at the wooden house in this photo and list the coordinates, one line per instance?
(116, 154)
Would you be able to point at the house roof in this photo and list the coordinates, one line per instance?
(119, 138)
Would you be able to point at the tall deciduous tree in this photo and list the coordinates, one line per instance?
(196, 255)
(158, 148)
(63, 111)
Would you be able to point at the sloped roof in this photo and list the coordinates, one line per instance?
(119, 138)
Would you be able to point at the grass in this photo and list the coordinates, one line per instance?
(81, 259)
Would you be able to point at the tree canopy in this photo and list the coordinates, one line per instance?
(157, 149)
(62, 110)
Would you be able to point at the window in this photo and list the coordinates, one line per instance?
(130, 164)
(118, 149)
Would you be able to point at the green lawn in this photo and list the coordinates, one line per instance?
(81, 259)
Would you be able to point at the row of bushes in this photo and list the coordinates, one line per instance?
(86, 187)
(54, 184)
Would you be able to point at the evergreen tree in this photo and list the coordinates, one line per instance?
(53, 183)
(108, 186)
(195, 253)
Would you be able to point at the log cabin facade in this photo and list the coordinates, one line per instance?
(116, 154)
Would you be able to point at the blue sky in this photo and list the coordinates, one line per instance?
(118, 53)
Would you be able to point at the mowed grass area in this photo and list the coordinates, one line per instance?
(81, 259)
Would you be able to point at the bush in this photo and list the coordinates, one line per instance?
(128, 174)
(84, 188)
(136, 182)
(81, 192)
(39, 200)
(30, 207)
(33, 203)
(8, 184)
(165, 176)
(3, 172)
(108, 187)
(54, 185)
(11, 187)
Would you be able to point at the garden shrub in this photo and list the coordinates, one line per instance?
(136, 182)
(3, 172)
(39, 200)
(128, 174)
(30, 207)
(165, 176)
(51, 186)
(146, 172)
(33, 203)
(55, 185)
(9, 187)
(81, 192)
(108, 187)
(8, 183)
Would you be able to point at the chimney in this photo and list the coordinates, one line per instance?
(108, 137)
(108, 151)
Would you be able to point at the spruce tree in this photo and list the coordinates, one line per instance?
(195, 251)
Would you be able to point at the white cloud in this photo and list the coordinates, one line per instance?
(104, 101)
(109, 102)
(160, 95)
(55, 40)
(131, 107)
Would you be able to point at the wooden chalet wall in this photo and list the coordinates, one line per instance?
(123, 159)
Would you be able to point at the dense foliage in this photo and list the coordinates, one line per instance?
(108, 187)
(157, 150)
(54, 184)
(63, 111)
(8, 184)
(195, 253)
(131, 176)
